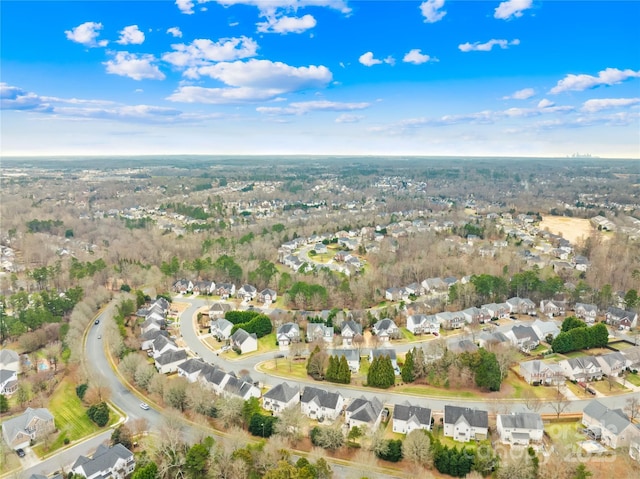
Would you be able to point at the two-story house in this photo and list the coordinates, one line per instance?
(363, 413)
(611, 426)
(612, 364)
(386, 329)
(520, 429)
(540, 372)
(244, 342)
(288, 333)
(584, 368)
(280, 397)
(348, 330)
(115, 462)
(464, 424)
(586, 312)
(320, 404)
(31, 425)
(407, 418)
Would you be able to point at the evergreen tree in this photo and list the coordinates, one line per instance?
(332, 370)
(4, 403)
(344, 373)
(408, 374)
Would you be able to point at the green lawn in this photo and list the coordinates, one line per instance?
(408, 335)
(603, 387)
(520, 386)
(70, 416)
(574, 354)
(438, 433)
(292, 369)
(634, 379)
(424, 390)
(267, 343)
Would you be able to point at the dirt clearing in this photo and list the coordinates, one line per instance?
(572, 229)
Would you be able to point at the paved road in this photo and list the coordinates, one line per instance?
(190, 336)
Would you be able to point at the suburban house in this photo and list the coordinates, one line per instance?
(288, 333)
(497, 310)
(612, 364)
(190, 369)
(220, 328)
(620, 318)
(351, 355)
(475, 315)
(386, 329)
(9, 360)
(238, 387)
(203, 287)
(218, 310)
(362, 412)
(464, 424)
(8, 381)
(247, 292)
(407, 418)
(318, 331)
(449, 320)
(488, 339)
(415, 289)
(115, 462)
(520, 429)
(584, 368)
(213, 378)
(169, 361)
(435, 285)
(396, 294)
(267, 296)
(225, 290)
(539, 372)
(586, 312)
(280, 397)
(422, 324)
(32, 424)
(632, 358)
(321, 404)
(383, 352)
(612, 426)
(152, 323)
(459, 346)
(147, 339)
(545, 328)
(163, 344)
(182, 286)
(552, 307)
(523, 337)
(521, 305)
(244, 342)
(348, 330)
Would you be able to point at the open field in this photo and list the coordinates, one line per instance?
(572, 229)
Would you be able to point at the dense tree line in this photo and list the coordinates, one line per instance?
(338, 370)
(381, 373)
(576, 335)
(250, 321)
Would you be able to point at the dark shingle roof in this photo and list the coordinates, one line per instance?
(523, 420)
(324, 398)
(282, 393)
(364, 410)
(171, 356)
(475, 417)
(192, 365)
(404, 412)
(103, 459)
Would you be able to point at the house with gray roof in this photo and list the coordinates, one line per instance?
(451, 320)
(612, 364)
(147, 339)
(318, 331)
(247, 292)
(586, 312)
(545, 328)
(152, 323)
(190, 369)
(9, 360)
(280, 397)
(540, 372)
(423, 324)
(407, 418)
(459, 346)
(363, 412)
(8, 382)
(475, 315)
(612, 425)
(320, 404)
(348, 330)
(163, 344)
(487, 339)
(218, 309)
(351, 355)
(521, 305)
(583, 368)
(523, 337)
(497, 310)
(520, 429)
(115, 462)
(288, 333)
(267, 296)
(238, 387)
(220, 328)
(464, 424)
(620, 318)
(553, 307)
(169, 361)
(386, 329)
(213, 378)
(632, 358)
(244, 342)
(32, 424)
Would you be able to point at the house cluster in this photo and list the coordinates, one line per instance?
(580, 369)
(9, 369)
(217, 380)
(246, 292)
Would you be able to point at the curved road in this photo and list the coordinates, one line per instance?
(249, 363)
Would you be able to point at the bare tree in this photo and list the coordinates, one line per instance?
(632, 407)
(416, 448)
(558, 402)
(229, 410)
(290, 423)
(532, 401)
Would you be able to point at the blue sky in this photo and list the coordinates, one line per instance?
(435, 77)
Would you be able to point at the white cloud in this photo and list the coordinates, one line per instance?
(544, 103)
(15, 98)
(390, 60)
(175, 31)
(203, 51)
(416, 57)
(252, 80)
(86, 34)
(301, 108)
(347, 118)
(511, 8)
(131, 35)
(267, 7)
(487, 46)
(431, 10)
(523, 94)
(185, 6)
(137, 67)
(286, 25)
(608, 77)
(592, 106)
(367, 59)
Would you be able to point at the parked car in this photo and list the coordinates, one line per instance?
(144, 405)
(97, 321)
(20, 452)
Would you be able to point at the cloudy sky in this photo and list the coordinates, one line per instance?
(435, 77)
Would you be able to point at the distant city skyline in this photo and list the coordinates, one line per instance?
(321, 77)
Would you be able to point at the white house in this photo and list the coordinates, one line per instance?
(115, 462)
(520, 429)
(280, 397)
(583, 368)
(247, 292)
(497, 310)
(521, 305)
(31, 425)
(423, 324)
(539, 372)
(163, 344)
(288, 333)
(240, 388)
(362, 412)
(9, 360)
(464, 424)
(383, 352)
(612, 426)
(147, 339)
(321, 404)
(612, 364)
(407, 418)
(169, 361)
(351, 355)
(220, 328)
(523, 337)
(545, 328)
(267, 296)
(190, 369)
(386, 329)
(8, 382)
(586, 312)
(244, 342)
(318, 331)
(218, 310)
(348, 330)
